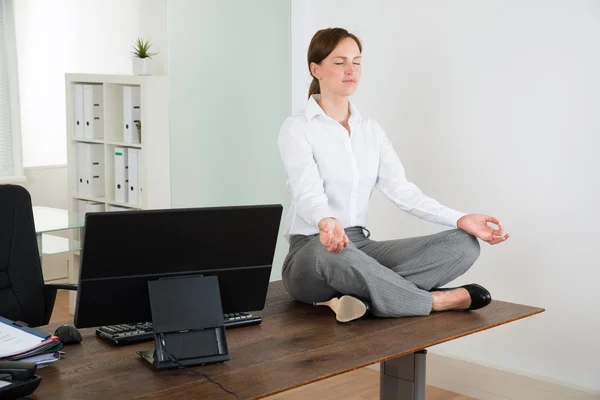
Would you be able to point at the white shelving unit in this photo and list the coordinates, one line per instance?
(154, 167)
(154, 144)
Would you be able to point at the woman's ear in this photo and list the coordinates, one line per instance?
(314, 70)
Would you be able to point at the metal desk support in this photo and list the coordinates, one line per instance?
(403, 378)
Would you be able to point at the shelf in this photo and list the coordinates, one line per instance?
(124, 144)
(111, 142)
(153, 151)
(127, 205)
(84, 140)
(129, 79)
(89, 198)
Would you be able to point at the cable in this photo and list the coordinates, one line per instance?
(181, 366)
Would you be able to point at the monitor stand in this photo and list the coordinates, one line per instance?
(188, 322)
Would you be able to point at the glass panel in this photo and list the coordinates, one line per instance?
(49, 219)
(51, 244)
(229, 80)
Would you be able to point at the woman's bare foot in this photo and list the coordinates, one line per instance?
(457, 299)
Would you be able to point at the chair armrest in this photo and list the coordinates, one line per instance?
(65, 286)
(50, 290)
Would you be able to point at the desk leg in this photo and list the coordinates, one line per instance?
(403, 377)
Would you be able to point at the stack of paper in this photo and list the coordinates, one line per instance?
(26, 344)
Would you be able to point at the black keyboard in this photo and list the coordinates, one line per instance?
(143, 331)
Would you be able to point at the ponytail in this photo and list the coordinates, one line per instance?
(315, 88)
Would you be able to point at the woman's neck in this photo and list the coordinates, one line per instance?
(337, 107)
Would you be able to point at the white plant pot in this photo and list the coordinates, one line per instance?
(142, 66)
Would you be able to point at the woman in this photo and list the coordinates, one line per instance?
(333, 157)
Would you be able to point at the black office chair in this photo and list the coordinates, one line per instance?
(23, 294)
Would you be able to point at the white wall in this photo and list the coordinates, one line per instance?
(78, 36)
(47, 186)
(493, 108)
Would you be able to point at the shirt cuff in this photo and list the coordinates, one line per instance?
(320, 213)
(449, 217)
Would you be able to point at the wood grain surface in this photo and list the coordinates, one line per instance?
(296, 344)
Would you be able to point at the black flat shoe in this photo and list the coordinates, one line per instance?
(346, 308)
(480, 297)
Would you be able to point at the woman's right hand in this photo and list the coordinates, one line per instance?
(332, 235)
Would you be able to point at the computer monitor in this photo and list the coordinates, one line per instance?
(123, 250)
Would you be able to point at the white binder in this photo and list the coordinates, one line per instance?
(92, 206)
(121, 179)
(89, 206)
(131, 113)
(97, 167)
(78, 109)
(93, 111)
(81, 169)
(133, 177)
(98, 178)
(118, 208)
(90, 167)
(140, 175)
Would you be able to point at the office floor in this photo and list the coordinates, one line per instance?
(362, 384)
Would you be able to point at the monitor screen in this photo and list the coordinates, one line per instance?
(122, 251)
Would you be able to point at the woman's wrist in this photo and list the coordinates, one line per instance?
(460, 221)
(324, 221)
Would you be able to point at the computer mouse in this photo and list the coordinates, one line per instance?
(68, 334)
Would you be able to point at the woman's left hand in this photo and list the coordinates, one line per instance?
(477, 225)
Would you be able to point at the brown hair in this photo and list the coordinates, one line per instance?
(321, 45)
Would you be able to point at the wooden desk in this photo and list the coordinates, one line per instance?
(295, 345)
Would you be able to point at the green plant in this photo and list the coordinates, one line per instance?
(141, 47)
(138, 125)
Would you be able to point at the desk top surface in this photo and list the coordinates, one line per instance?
(296, 344)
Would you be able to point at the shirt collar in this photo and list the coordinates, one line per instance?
(313, 109)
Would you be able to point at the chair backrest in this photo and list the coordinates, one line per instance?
(22, 294)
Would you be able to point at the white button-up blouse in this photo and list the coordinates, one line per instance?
(330, 173)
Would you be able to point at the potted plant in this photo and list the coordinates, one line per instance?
(138, 125)
(142, 58)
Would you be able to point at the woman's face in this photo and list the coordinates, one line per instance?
(339, 73)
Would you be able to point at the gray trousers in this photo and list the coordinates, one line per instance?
(394, 276)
